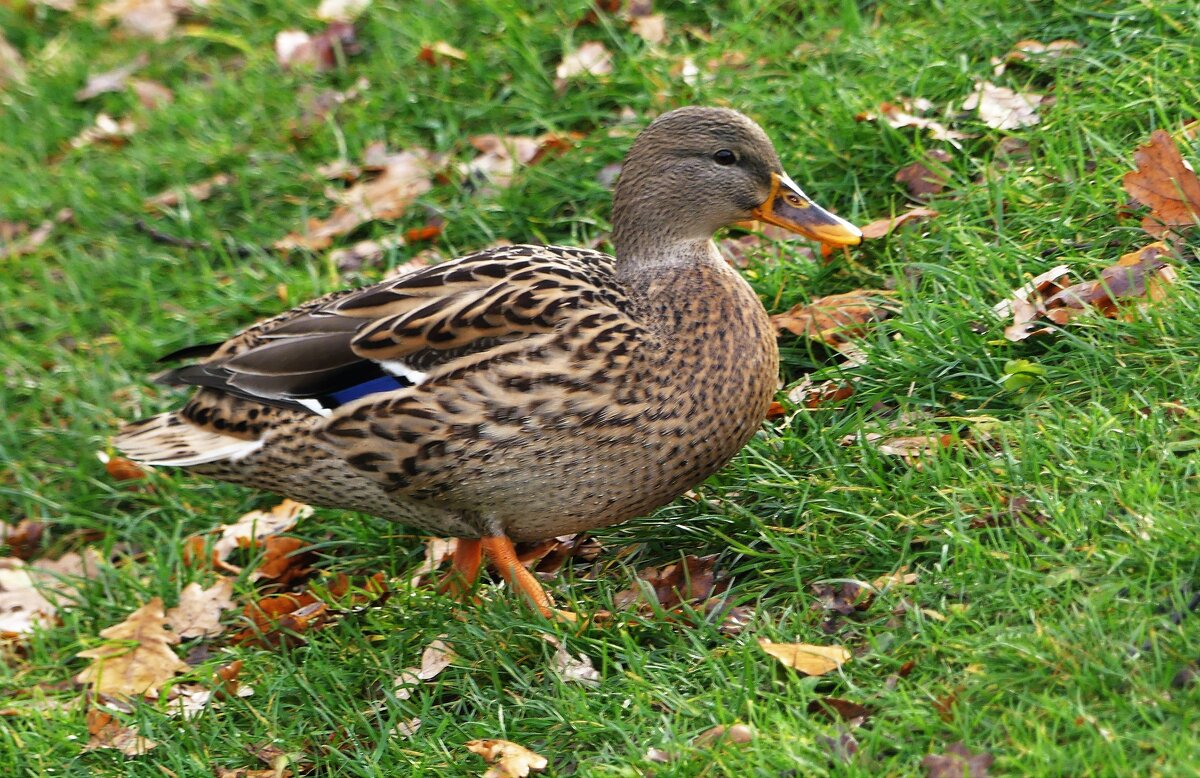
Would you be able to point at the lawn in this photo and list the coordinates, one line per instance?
(1052, 537)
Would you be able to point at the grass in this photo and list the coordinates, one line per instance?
(1050, 645)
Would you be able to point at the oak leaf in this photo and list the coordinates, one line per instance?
(1166, 183)
(139, 659)
(808, 659)
(198, 613)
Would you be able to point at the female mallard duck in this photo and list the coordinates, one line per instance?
(520, 392)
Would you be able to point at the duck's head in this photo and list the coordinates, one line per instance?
(695, 170)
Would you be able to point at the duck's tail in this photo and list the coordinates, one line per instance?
(168, 440)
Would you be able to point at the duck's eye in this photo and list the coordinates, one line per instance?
(725, 157)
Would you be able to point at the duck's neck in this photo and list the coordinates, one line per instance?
(649, 245)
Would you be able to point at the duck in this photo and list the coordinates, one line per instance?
(520, 392)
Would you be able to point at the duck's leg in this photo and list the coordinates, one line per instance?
(464, 571)
(499, 549)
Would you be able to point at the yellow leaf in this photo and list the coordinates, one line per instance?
(808, 659)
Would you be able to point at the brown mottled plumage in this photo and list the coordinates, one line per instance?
(520, 392)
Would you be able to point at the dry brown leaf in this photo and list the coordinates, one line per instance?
(16, 240)
(198, 613)
(250, 772)
(651, 28)
(122, 469)
(808, 659)
(105, 731)
(907, 112)
(837, 319)
(1166, 183)
(155, 19)
(24, 539)
(440, 52)
(590, 59)
(500, 156)
(1031, 49)
(836, 708)
(1141, 275)
(318, 106)
(921, 179)
(199, 191)
(341, 10)
(810, 394)
(139, 660)
(687, 581)
(882, 227)
(899, 578)
(507, 759)
(437, 551)
(406, 176)
(574, 668)
(113, 80)
(281, 619)
(151, 94)
(957, 762)
(114, 132)
(256, 525)
(1002, 108)
(738, 734)
(31, 594)
(296, 49)
(284, 560)
(913, 446)
(436, 657)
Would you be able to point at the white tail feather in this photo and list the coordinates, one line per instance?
(169, 441)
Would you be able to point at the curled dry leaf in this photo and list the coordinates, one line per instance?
(139, 660)
(341, 10)
(440, 52)
(575, 669)
(1166, 183)
(738, 734)
(899, 578)
(651, 28)
(808, 659)
(957, 762)
(154, 19)
(32, 593)
(284, 560)
(296, 49)
(106, 731)
(1002, 108)
(906, 112)
(590, 59)
(281, 619)
(882, 227)
(1141, 275)
(810, 394)
(23, 540)
(405, 177)
(256, 525)
(107, 130)
(927, 177)
(507, 759)
(199, 191)
(1031, 49)
(198, 613)
(16, 240)
(111, 80)
(436, 657)
(837, 319)
(151, 94)
(839, 709)
(689, 580)
(500, 156)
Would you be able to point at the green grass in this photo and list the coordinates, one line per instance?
(1057, 647)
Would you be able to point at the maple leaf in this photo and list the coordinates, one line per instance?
(1166, 183)
(198, 613)
(507, 759)
(807, 658)
(405, 177)
(139, 660)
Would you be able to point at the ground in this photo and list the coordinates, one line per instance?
(1048, 624)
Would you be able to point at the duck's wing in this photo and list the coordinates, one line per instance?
(347, 345)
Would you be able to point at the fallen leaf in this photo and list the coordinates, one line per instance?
(25, 539)
(281, 619)
(199, 191)
(317, 107)
(658, 756)
(437, 552)
(114, 132)
(835, 708)
(958, 762)
(1026, 50)
(1139, 275)
(105, 731)
(406, 176)
(436, 657)
(576, 669)
(1002, 108)
(810, 394)
(113, 80)
(842, 748)
(151, 94)
(590, 59)
(837, 319)
(920, 179)
(341, 10)
(808, 659)
(440, 52)
(899, 578)
(154, 19)
(913, 446)
(1014, 511)
(17, 241)
(651, 28)
(327, 50)
(507, 759)
(250, 772)
(198, 613)
(284, 560)
(738, 734)
(882, 227)
(139, 659)
(32, 593)
(122, 469)
(1166, 183)
(256, 525)
(907, 112)
(686, 581)
(501, 156)
(406, 729)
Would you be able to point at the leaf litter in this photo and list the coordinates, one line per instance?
(507, 759)
(138, 659)
(1002, 108)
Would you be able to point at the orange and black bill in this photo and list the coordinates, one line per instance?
(787, 206)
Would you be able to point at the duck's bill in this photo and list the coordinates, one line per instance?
(787, 206)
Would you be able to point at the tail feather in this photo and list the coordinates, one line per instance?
(169, 441)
